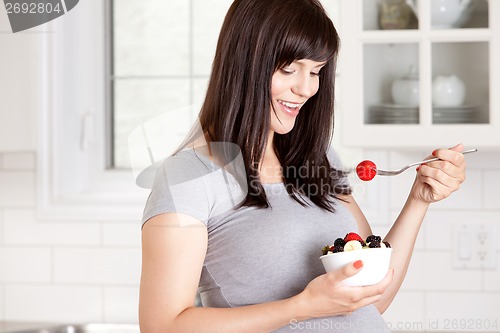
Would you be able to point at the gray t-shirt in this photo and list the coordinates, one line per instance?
(255, 255)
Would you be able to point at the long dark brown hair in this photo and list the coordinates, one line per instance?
(258, 37)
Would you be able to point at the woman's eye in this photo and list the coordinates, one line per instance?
(315, 74)
(287, 71)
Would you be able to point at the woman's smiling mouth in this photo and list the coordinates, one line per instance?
(290, 107)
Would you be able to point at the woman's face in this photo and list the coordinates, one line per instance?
(291, 87)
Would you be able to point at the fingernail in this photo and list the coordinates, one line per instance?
(434, 152)
(418, 167)
(358, 264)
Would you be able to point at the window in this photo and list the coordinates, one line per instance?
(146, 61)
(74, 181)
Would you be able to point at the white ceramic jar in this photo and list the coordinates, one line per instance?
(448, 91)
(405, 90)
(444, 13)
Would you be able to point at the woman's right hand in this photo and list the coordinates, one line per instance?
(327, 295)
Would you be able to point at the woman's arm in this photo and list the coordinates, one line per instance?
(174, 247)
(433, 182)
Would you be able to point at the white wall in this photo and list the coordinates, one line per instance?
(89, 271)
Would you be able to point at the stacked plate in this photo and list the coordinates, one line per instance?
(462, 114)
(403, 114)
(393, 114)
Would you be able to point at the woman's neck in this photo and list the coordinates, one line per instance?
(270, 170)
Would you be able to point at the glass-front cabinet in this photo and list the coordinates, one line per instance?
(419, 73)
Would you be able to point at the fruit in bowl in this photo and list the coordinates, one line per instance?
(373, 252)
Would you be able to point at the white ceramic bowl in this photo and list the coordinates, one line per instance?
(375, 264)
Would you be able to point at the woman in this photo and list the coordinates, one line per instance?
(242, 211)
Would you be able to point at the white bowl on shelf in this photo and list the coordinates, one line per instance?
(448, 91)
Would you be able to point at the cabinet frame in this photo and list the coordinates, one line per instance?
(357, 133)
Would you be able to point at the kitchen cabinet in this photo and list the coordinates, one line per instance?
(454, 67)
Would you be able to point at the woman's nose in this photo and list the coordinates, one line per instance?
(305, 86)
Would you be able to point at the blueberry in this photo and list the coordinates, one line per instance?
(372, 238)
(339, 241)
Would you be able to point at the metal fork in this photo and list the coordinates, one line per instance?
(397, 172)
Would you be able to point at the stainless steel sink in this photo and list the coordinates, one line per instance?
(81, 328)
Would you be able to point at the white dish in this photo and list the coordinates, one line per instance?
(376, 263)
(403, 114)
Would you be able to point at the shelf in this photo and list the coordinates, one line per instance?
(404, 36)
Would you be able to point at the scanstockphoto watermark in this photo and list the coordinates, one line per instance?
(341, 325)
(25, 14)
(447, 324)
(437, 324)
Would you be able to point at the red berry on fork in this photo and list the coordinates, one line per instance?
(366, 170)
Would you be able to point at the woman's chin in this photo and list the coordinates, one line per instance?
(284, 129)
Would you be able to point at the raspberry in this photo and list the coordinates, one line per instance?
(339, 241)
(372, 238)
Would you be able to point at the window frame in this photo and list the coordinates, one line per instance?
(73, 180)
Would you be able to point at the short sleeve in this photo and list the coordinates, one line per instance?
(178, 187)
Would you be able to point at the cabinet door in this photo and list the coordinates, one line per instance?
(410, 77)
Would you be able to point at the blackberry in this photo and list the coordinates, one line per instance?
(374, 244)
(337, 248)
(339, 241)
(372, 238)
(387, 244)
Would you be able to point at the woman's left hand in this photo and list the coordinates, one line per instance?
(437, 180)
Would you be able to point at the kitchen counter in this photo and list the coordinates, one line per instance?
(9, 326)
(46, 327)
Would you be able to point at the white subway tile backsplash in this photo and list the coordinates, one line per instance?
(483, 160)
(119, 266)
(468, 196)
(464, 311)
(121, 304)
(492, 276)
(397, 315)
(18, 161)
(399, 188)
(17, 189)
(120, 234)
(31, 264)
(441, 224)
(22, 227)
(491, 186)
(53, 303)
(432, 270)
